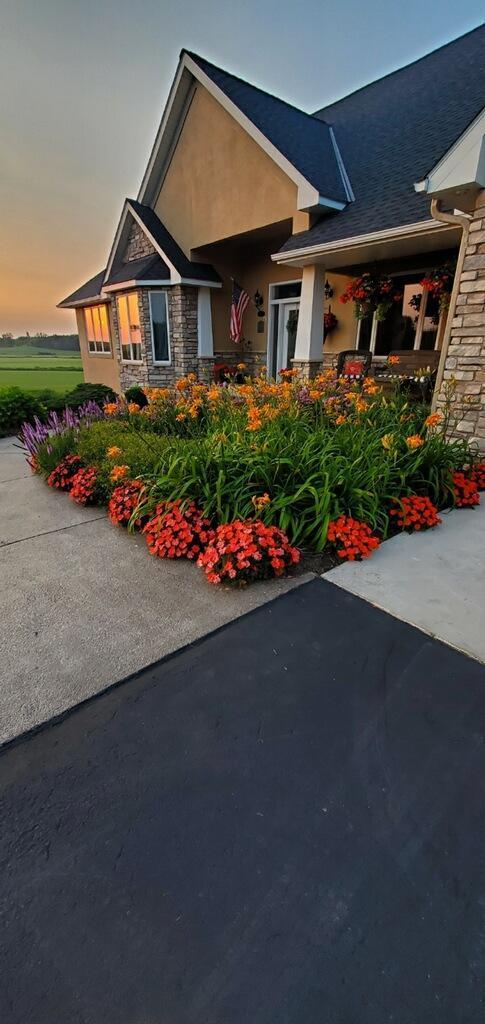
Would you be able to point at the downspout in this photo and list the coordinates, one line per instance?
(463, 221)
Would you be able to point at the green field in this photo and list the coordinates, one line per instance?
(28, 368)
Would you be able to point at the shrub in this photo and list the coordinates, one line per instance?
(415, 513)
(123, 502)
(137, 395)
(356, 539)
(141, 451)
(84, 486)
(17, 406)
(243, 551)
(465, 491)
(61, 476)
(177, 532)
(99, 393)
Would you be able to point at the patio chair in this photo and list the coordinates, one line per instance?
(354, 363)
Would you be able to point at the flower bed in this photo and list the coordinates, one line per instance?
(330, 466)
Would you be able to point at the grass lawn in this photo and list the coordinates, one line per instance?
(59, 371)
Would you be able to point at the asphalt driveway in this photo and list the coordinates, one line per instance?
(82, 604)
(282, 823)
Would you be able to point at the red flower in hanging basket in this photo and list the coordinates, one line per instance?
(329, 322)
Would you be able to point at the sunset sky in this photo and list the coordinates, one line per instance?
(82, 88)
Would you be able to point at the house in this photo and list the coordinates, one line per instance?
(242, 186)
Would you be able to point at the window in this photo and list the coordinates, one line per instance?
(159, 324)
(97, 329)
(410, 324)
(129, 327)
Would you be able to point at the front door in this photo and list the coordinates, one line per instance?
(282, 348)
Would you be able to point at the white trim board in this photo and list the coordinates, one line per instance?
(386, 234)
(462, 166)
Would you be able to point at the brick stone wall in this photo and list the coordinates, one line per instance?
(182, 314)
(465, 361)
(137, 245)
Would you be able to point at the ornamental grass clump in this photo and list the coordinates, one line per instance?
(414, 513)
(176, 531)
(465, 491)
(247, 550)
(352, 540)
(84, 486)
(123, 502)
(61, 476)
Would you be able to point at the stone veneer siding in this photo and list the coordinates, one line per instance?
(182, 315)
(465, 360)
(138, 244)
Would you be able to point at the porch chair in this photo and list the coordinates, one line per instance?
(354, 363)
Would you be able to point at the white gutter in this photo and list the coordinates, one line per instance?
(358, 241)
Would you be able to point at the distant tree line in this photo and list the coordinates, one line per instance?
(62, 342)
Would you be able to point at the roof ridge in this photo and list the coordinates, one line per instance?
(198, 57)
(389, 74)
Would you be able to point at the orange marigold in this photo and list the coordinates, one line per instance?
(414, 441)
(433, 419)
(113, 452)
(119, 473)
(111, 408)
(259, 501)
(133, 407)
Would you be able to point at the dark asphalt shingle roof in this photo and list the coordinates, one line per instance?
(303, 139)
(185, 267)
(392, 132)
(88, 291)
(145, 268)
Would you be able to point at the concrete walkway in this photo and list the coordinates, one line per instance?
(434, 580)
(83, 605)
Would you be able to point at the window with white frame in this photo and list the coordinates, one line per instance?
(129, 328)
(159, 327)
(411, 323)
(97, 330)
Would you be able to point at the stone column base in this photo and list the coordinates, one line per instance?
(206, 369)
(308, 368)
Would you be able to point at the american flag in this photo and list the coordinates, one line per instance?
(239, 302)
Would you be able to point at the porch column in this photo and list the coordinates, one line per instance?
(464, 365)
(309, 335)
(205, 347)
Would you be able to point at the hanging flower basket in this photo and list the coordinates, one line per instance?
(329, 322)
(370, 294)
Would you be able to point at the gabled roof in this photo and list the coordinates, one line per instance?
(393, 131)
(303, 146)
(304, 140)
(188, 269)
(145, 268)
(88, 292)
(180, 269)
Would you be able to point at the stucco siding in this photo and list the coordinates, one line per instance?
(97, 368)
(220, 182)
